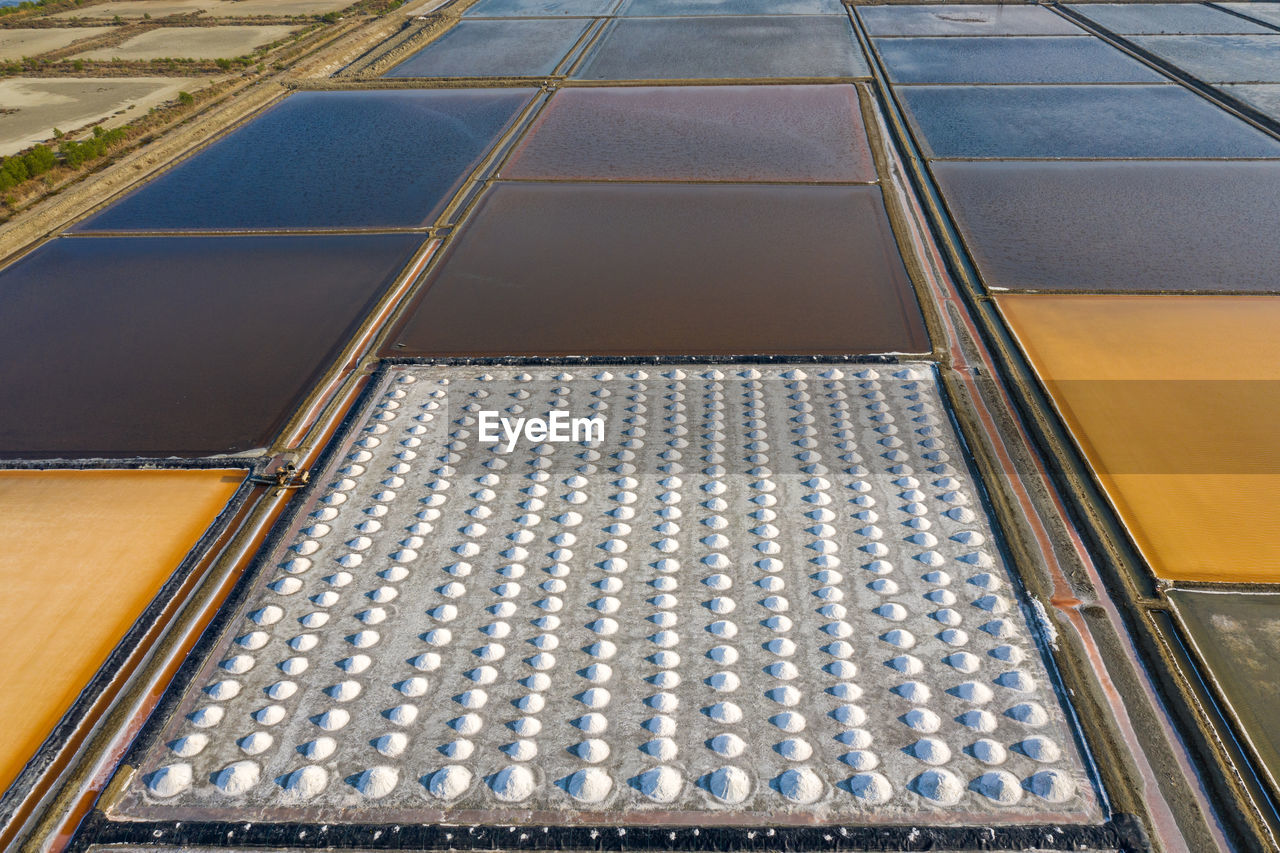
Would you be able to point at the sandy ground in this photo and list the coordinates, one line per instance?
(15, 44)
(71, 103)
(66, 537)
(191, 43)
(212, 8)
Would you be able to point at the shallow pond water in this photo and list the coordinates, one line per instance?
(327, 160)
(649, 269)
(159, 346)
(704, 133)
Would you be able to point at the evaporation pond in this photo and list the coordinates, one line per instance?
(706, 133)
(1220, 59)
(1113, 226)
(642, 8)
(1010, 59)
(1268, 12)
(964, 20)
(651, 269)
(81, 555)
(539, 8)
(1078, 121)
(709, 48)
(476, 47)
(327, 160)
(1264, 97)
(158, 346)
(1173, 400)
(1171, 18)
(1237, 636)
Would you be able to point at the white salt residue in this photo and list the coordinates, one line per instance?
(255, 743)
(1052, 785)
(660, 784)
(377, 781)
(999, 786)
(729, 745)
(1028, 713)
(988, 751)
(589, 785)
(236, 778)
(170, 780)
(512, 784)
(1050, 629)
(872, 788)
(185, 747)
(939, 786)
(730, 785)
(930, 750)
(306, 782)
(449, 783)
(392, 744)
(800, 785)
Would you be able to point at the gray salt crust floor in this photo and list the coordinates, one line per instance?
(767, 595)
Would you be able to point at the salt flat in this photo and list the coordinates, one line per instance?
(16, 43)
(769, 595)
(70, 103)
(211, 8)
(190, 43)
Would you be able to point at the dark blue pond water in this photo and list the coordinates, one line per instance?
(327, 160)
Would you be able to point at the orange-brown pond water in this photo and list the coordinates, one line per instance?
(82, 553)
(1175, 401)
